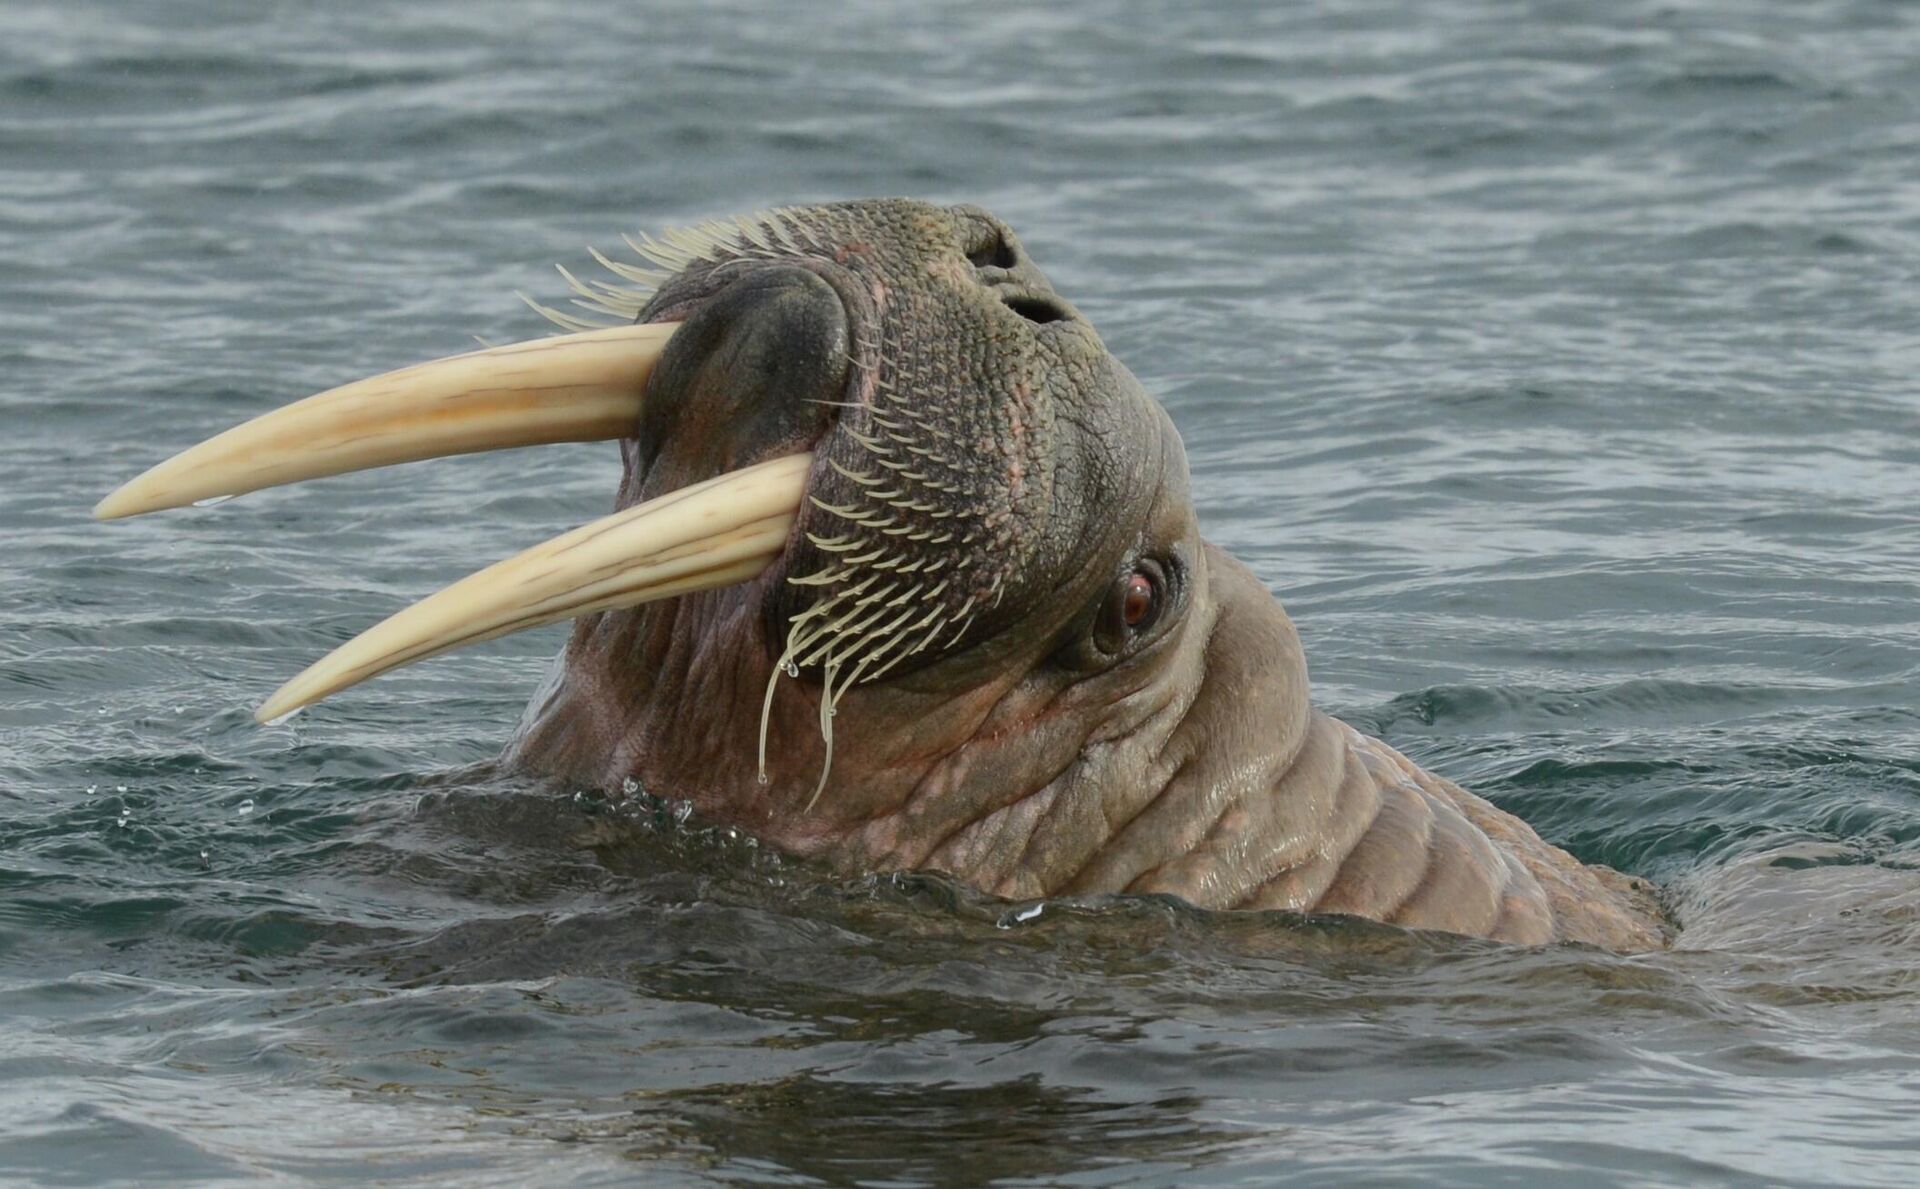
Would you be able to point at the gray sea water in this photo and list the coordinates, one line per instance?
(1554, 362)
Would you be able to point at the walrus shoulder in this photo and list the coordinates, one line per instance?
(1538, 882)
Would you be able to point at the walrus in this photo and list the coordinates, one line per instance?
(904, 575)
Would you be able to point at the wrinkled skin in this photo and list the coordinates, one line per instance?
(1027, 738)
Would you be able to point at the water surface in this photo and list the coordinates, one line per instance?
(1553, 362)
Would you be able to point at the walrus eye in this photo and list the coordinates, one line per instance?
(1137, 600)
(1133, 606)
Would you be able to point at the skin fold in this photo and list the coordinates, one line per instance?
(996, 644)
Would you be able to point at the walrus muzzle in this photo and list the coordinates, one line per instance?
(577, 387)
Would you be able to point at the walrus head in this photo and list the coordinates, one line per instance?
(903, 496)
(904, 574)
(994, 511)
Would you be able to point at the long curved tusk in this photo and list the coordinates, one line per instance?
(712, 534)
(569, 388)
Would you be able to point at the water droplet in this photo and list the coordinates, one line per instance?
(793, 668)
(763, 780)
(832, 711)
(682, 810)
(630, 786)
(1020, 916)
(245, 808)
(212, 501)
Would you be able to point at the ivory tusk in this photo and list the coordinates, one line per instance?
(568, 388)
(712, 534)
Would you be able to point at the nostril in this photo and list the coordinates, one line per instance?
(1037, 310)
(994, 252)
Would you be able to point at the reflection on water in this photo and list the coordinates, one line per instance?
(1554, 364)
(932, 1133)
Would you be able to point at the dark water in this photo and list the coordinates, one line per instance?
(1554, 362)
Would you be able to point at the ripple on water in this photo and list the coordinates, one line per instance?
(1555, 367)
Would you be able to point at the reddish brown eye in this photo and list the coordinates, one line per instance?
(1136, 602)
(1131, 608)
